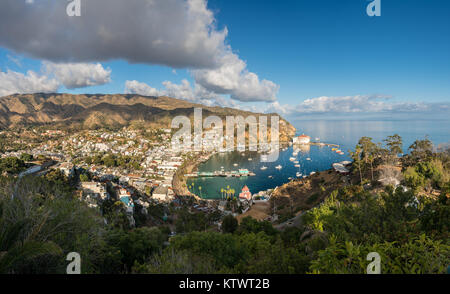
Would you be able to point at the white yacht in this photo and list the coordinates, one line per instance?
(298, 174)
(263, 167)
(297, 165)
(278, 167)
(292, 158)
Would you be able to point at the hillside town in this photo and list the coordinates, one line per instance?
(135, 168)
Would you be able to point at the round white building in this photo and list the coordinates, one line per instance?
(302, 139)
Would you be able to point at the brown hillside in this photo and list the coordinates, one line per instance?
(99, 110)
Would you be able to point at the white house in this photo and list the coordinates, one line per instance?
(161, 193)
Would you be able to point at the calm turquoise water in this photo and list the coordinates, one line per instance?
(344, 133)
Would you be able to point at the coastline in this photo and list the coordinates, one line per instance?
(194, 159)
(179, 180)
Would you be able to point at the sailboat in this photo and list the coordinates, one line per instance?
(263, 167)
(292, 158)
(298, 174)
(297, 165)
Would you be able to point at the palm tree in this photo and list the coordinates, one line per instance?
(17, 245)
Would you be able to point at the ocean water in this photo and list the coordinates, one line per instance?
(343, 133)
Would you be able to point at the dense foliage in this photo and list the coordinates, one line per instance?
(41, 222)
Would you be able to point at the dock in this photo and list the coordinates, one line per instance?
(324, 144)
(221, 173)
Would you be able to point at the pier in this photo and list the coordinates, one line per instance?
(324, 144)
(221, 173)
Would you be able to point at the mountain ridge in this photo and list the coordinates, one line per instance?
(108, 110)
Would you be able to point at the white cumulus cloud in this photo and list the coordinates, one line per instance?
(181, 91)
(52, 76)
(12, 82)
(355, 104)
(135, 87)
(78, 75)
(175, 33)
(232, 77)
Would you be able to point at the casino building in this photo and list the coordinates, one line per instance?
(302, 139)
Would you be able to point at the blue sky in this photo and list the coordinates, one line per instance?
(304, 49)
(332, 48)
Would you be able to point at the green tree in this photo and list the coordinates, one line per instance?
(357, 161)
(26, 157)
(421, 150)
(394, 144)
(368, 152)
(420, 255)
(11, 165)
(17, 245)
(229, 224)
(84, 178)
(136, 246)
(414, 179)
(251, 225)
